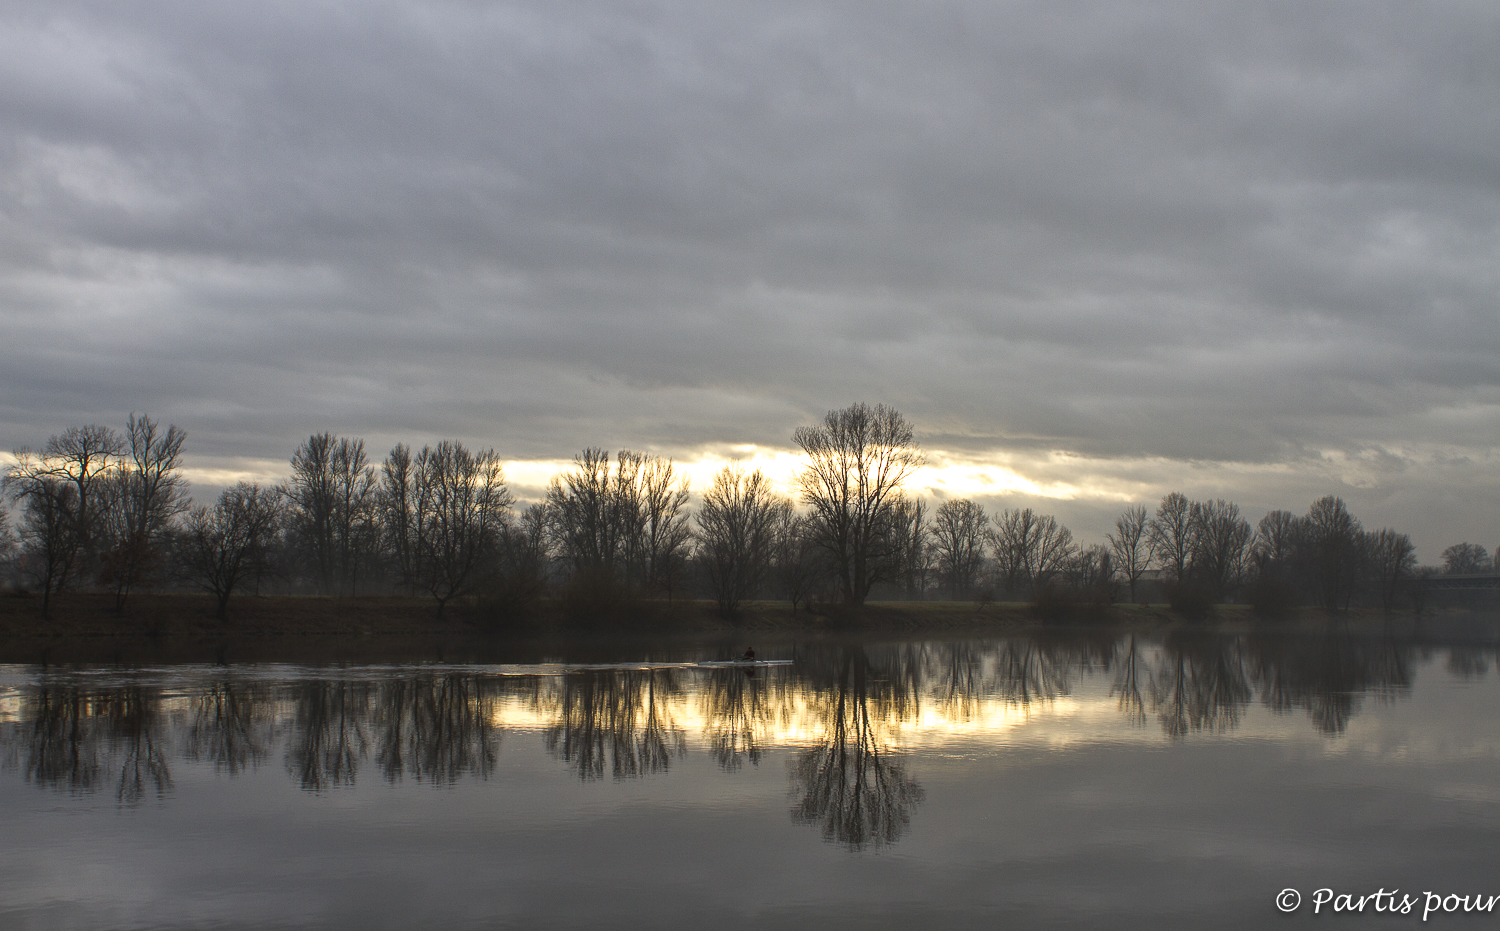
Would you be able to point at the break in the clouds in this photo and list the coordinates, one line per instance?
(1092, 250)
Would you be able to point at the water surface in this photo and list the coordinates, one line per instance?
(1064, 780)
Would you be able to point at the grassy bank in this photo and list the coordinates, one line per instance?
(175, 615)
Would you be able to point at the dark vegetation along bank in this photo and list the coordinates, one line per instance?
(99, 536)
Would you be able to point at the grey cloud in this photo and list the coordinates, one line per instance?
(1188, 231)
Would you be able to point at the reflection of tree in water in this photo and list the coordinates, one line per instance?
(59, 738)
(79, 739)
(851, 784)
(330, 736)
(1200, 683)
(137, 743)
(1132, 679)
(230, 726)
(1327, 675)
(619, 718)
(437, 728)
(736, 711)
(1469, 662)
(1030, 670)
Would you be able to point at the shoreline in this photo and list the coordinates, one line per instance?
(167, 628)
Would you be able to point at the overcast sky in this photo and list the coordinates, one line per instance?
(1093, 251)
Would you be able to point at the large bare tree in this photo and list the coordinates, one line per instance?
(146, 494)
(959, 532)
(858, 460)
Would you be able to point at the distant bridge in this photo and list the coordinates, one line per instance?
(1456, 583)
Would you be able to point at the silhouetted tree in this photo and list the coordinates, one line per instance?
(1221, 545)
(621, 525)
(401, 504)
(660, 532)
(1332, 540)
(47, 531)
(1392, 560)
(1030, 548)
(331, 498)
(62, 527)
(912, 548)
(1172, 535)
(797, 560)
(1466, 559)
(219, 545)
(146, 493)
(1130, 545)
(737, 534)
(959, 532)
(467, 505)
(858, 460)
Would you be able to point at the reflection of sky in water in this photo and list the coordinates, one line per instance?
(1021, 780)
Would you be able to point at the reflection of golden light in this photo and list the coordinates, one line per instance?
(797, 718)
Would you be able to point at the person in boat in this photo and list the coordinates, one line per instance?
(749, 654)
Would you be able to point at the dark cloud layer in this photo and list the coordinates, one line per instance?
(1257, 240)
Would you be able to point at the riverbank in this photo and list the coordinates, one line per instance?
(178, 627)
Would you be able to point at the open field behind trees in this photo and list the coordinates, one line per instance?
(99, 536)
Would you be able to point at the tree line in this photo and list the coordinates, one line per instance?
(108, 510)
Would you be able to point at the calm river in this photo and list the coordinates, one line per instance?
(1069, 780)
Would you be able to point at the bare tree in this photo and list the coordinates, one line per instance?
(147, 493)
(959, 532)
(737, 534)
(1092, 572)
(401, 501)
(79, 457)
(525, 561)
(589, 515)
(47, 530)
(8, 549)
(1392, 559)
(859, 458)
(1130, 545)
(1221, 544)
(1332, 539)
(1054, 547)
(912, 547)
(797, 561)
(1466, 559)
(1171, 535)
(1278, 536)
(1030, 548)
(663, 526)
(311, 499)
(1014, 537)
(219, 546)
(332, 496)
(468, 505)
